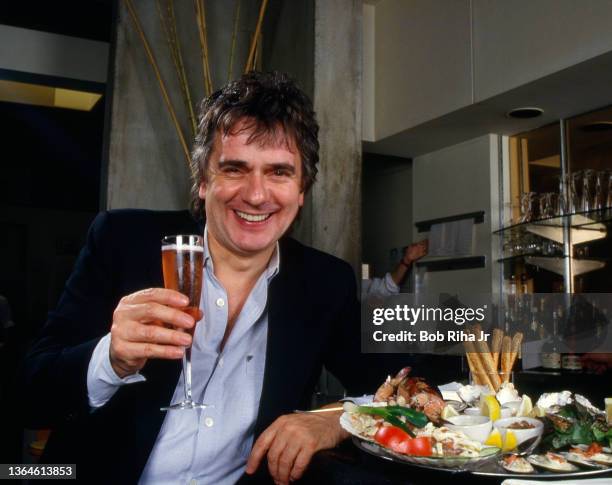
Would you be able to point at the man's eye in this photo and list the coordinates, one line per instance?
(281, 172)
(231, 170)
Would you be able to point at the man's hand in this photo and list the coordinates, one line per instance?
(137, 334)
(415, 251)
(291, 441)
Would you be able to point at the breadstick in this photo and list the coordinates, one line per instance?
(484, 354)
(517, 340)
(505, 357)
(471, 356)
(496, 342)
(478, 370)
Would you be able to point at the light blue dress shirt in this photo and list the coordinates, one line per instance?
(209, 446)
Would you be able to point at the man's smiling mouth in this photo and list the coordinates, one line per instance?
(252, 217)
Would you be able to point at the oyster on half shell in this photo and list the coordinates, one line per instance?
(517, 464)
(553, 462)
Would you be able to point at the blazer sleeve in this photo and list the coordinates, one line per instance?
(55, 368)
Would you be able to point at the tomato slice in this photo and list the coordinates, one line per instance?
(420, 446)
(390, 436)
(401, 442)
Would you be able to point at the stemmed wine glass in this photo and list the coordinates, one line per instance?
(182, 264)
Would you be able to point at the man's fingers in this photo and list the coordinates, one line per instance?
(159, 295)
(152, 311)
(261, 448)
(301, 462)
(138, 351)
(157, 335)
(284, 463)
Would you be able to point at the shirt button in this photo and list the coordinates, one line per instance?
(221, 362)
(209, 422)
(220, 302)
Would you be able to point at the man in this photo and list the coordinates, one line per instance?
(276, 311)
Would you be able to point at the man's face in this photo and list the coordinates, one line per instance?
(253, 191)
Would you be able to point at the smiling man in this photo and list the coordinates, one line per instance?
(274, 312)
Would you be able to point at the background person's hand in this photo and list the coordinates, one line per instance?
(291, 441)
(415, 251)
(137, 333)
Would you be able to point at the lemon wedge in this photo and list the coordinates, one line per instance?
(509, 441)
(494, 439)
(526, 406)
(449, 412)
(489, 406)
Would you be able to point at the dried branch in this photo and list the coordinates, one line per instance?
(262, 12)
(162, 85)
(180, 70)
(201, 18)
(234, 35)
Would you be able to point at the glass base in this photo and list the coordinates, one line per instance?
(185, 405)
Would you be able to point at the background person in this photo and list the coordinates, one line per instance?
(390, 283)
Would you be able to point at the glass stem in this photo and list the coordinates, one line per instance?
(187, 373)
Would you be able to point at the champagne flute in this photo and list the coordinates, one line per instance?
(182, 264)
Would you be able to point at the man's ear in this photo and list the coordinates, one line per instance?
(202, 191)
(300, 199)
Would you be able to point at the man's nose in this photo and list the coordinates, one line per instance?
(255, 191)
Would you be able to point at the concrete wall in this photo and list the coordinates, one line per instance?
(456, 180)
(369, 75)
(336, 197)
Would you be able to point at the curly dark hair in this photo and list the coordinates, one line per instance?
(269, 102)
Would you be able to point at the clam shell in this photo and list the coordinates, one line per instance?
(520, 465)
(542, 462)
(579, 460)
(605, 449)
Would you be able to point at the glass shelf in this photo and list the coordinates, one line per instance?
(556, 264)
(584, 226)
(578, 219)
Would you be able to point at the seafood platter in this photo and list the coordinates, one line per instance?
(485, 428)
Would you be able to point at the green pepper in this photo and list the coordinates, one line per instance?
(391, 414)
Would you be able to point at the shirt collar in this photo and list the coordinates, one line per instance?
(271, 270)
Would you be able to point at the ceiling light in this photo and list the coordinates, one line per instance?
(39, 95)
(525, 112)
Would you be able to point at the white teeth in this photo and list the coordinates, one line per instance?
(252, 217)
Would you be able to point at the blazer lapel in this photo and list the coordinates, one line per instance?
(287, 352)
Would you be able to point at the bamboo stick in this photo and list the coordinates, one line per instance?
(180, 73)
(233, 48)
(201, 20)
(180, 69)
(162, 85)
(262, 12)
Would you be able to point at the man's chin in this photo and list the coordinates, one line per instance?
(252, 248)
